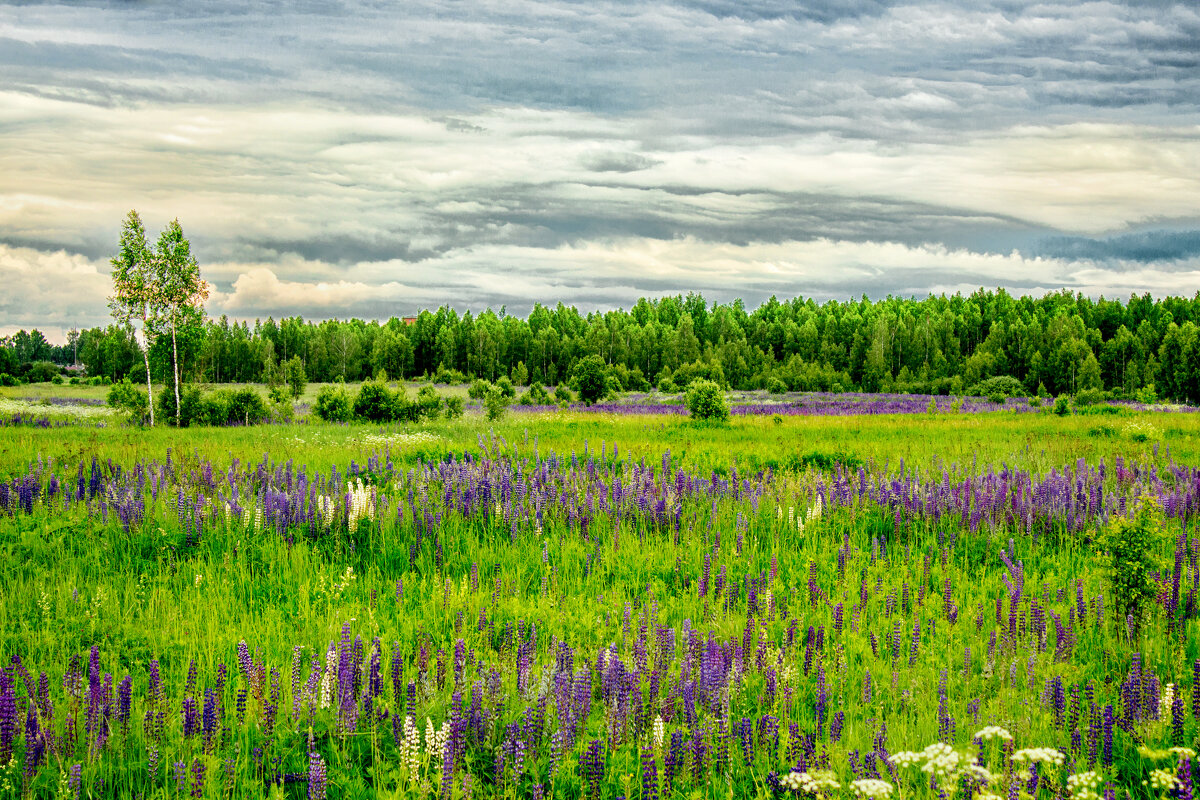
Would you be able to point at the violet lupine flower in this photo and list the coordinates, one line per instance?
(1185, 790)
(76, 780)
(316, 777)
(650, 776)
(198, 770)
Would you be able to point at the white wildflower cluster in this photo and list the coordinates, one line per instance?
(252, 518)
(410, 748)
(1161, 779)
(361, 503)
(810, 783)
(1182, 752)
(10, 407)
(944, 761)
(1083, 785)
(815, 510)
(398, 439)
(872, 788)
(1166, 701)
(660, 734)
(993, 732)
(1043, 755)
(435, 739)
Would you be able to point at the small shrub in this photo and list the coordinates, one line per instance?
(537, 394)
(495, 403)
(590, 378)
(997, 398)
(479, 389)
(932, 407)
(1129, 545)
(1062, 405)
(1035, 402)
(333, 404)
(42, 372)
(453, 406)
(375, 402)
(775, 418)
(706, 401)
(563, 395)
(1146, 395)
(123, 396)
(293, 374)
(776, 386)
(428, 403)
(999, 386)
(8, 380)
(506, 387)
(667, 386)
(1088, 397)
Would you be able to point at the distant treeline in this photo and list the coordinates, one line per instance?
(1059, 343)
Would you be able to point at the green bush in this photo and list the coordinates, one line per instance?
(537, 394)
(478, 389)
(563, 395)
(123, 396)
(1129, 546)
(590, 378)
(1147, 395)
(706, 401)
(453, 406)
(428, 403)
(41, 372)
(231, 407)
(8, 380)
(1088, 397)
(495, 403)
(293, 374)
(190, 406)
(1062, 405)
(333, 404)
(1001, 386)
(667, 386)
(375, 403)
(506, 387)
(776, 386)
(1035, 402)
(450, 377)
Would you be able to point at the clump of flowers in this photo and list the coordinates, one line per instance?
(1039, 755)
(810, 782)
(872, 788)
(1082, 786)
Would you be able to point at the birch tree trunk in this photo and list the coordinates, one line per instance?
(175, 361)
(146, 357)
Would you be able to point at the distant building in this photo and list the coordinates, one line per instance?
(409, 320)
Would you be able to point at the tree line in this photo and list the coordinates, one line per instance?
(1058, 343)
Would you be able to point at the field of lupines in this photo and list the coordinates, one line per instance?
(519, 618)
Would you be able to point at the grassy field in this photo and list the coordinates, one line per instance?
(589, 605)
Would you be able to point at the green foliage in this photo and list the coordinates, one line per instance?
(1062, 405)
(375, 402)
(293, 375)
(590, 379)
(563, 395)
(1147, 395)
(189, 410)
(233, 407)
(506, 387)
(667, 386)
(453, 405)
(449, 377)
(333, 404)
(999, 385)
(8, 380)
(41, 372)
(537, 394)
(706, 401)
(1088, 397)
(428, 403)
(129, 399)
(478, 389)
(520, 375)
(1129, 547)
(776, 386)
(495, 404)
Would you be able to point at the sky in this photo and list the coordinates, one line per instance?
(367, 159)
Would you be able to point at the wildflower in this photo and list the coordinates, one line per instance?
(1161, 779)
(993, 732)
(1082, 786)
(1047, 755)
(872, 788)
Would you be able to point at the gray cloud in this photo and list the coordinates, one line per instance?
(438, 149)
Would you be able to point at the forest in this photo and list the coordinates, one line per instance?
(1059, 343)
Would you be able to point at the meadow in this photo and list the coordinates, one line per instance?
(599, 604)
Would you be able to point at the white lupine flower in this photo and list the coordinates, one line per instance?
(361, 503)
(659, 734)
(816, 510)
(994, 732)
(327, 678)
(872, 788)
(1165, 702)
(410, 748)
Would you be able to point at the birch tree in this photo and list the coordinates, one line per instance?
(135, 289)
(180, 292)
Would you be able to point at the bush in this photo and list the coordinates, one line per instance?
(1130, 545)
(706, 401)
(375, 403)
(191, 408)
(428, 403)
(495, 403)
(1147, 395)
(537, 394)
(453, 406)
(776, 386)
(1062, 405)
(41, 372)
(333, 404)
(563, 395)
(232, 407)
(1035, 402)
(667, 386)
(1000, 386)
(8, 380)
(590, 378)
(506, 387)
(293, 374)
(450, 377)
(1088, 397)
(478, 389)
(123, 396)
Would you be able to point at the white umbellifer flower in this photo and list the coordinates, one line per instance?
(809, 783)
(994, 732)
(1045, 755)
(1162, 779)
(199, 580)
(870, 787)
(1182, 752)
(1082, 786)
(906, 758)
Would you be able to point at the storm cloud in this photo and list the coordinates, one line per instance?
(351, 159)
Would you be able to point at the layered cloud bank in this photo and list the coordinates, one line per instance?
(342, 160)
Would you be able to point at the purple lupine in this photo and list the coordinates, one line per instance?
(649, 776)
(316, 777)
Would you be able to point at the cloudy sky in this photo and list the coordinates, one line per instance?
(368, 159)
